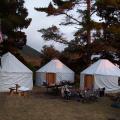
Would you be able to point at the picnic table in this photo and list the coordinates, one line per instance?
(14, 90)
(19, 90)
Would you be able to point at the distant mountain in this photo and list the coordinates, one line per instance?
(30, 51)
(29, 55)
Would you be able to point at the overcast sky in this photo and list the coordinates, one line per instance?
(40, 20)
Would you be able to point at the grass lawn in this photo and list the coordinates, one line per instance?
(41, 106)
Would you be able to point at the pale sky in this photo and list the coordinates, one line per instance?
(40, 20)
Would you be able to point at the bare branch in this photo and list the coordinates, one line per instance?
(72, 18)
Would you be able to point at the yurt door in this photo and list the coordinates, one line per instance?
(51, 78)
(89, 81)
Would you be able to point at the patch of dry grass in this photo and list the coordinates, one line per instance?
(39, 106)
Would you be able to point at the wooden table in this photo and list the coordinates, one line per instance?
(14, 90)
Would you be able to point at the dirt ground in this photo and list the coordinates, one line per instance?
(40, 106)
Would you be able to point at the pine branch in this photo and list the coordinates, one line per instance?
(79, 23)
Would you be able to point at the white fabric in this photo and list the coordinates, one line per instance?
(109, 82)
(54, 66)
(64, 76)
(8, 80)
(10, 63)
(14, 72)
(102, 67)
(40, 78)
(22, 88)
(105, 75)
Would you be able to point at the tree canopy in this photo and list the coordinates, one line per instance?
(13, 18)
(48, 53)
(90, 36)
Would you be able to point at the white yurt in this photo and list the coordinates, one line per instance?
(12, 72)
(101, 74)
(54, 72)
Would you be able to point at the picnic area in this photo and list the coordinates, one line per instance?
(39, 105)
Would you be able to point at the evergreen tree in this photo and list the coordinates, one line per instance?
(48, 53)
(106, 36)
(81, 19)
(109, 11)
(13, 19)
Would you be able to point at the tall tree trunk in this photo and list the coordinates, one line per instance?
(88, 32)
(88, 21)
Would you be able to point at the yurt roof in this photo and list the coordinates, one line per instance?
(9, 63)
(55, 66)
(102, 67)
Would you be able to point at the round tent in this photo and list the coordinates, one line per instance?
(12, 72)
(101, 74)
(54, 72)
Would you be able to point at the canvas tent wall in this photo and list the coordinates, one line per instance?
(12, 72)
(54, 72)
(101, 74)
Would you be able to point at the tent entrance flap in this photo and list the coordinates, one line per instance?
(89, 81)
(51, 78)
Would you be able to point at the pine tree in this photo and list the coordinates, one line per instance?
(106, 36)
(109, 11)
(13, 19)
(82, 36)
